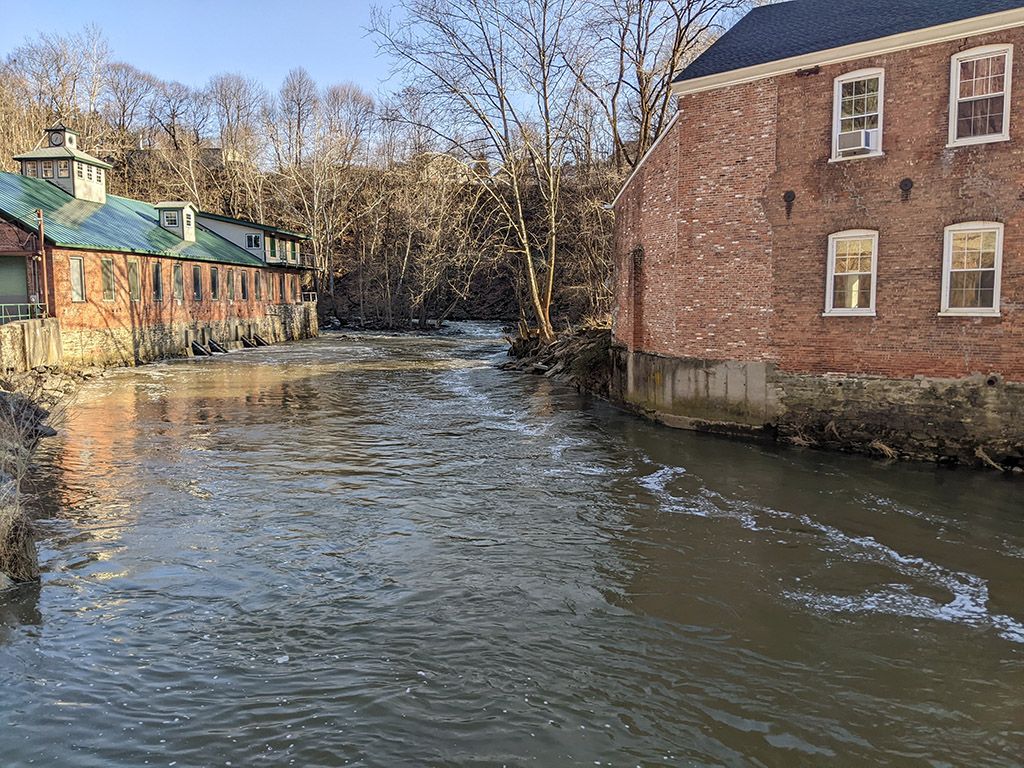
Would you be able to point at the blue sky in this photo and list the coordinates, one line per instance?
(190, 40)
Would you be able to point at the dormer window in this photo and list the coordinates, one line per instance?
(99, 175)
(188, 219)
(63, 168)
(47, 169)
(252, 240)
(30, 169)
(79, 171)
(88, 172)
(170, 218)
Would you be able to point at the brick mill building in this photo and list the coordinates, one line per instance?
(827, 242)
(87, 277)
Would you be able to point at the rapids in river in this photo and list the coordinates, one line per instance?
(383, 551)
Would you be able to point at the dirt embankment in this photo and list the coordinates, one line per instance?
(580, 358)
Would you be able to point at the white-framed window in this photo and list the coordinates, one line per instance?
(252, 240)
(47, 169)
(170, 218)
(88, 171)
(134, 281)
(78, 170)
(852, 272)
(107, 278)
(188, 219)
(972, 259)
(77, 279)
(99, 174)
(857, 106)
(979, 88)
(30, 168)
(63, 169)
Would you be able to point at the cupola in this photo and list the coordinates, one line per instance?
(178, 217)
(60, 162)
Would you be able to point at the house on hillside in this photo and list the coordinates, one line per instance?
(271, 244)
(827, 242)
(87, 277)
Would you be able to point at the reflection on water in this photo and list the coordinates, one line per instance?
(385, 552)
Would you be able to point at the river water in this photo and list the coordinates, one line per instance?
(378, 551)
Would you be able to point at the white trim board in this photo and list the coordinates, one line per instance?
(977, 25)
(654, 146)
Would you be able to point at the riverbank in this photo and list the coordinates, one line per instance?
(29, 403)
(588, 360)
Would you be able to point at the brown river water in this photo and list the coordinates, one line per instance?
(372, 551)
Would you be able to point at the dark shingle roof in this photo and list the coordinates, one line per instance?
(122, 224)
(776, 32)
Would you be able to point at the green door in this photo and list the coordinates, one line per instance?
(13, 286)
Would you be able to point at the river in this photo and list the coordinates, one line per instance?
(372, 551)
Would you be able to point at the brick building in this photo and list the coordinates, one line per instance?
(827, 242)
(87, 277)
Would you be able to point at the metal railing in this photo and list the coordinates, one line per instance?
(11, 313)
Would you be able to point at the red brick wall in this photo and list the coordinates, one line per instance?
(976, 183)
(729, 275)
(695, 208)
(95, 313)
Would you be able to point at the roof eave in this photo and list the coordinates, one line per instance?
(977, 25)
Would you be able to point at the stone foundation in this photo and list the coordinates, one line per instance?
(975, 420)
(26, 344)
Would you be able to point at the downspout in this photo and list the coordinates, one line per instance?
(41, 257)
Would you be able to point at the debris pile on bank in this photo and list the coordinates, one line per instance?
(24, 421)
(580, 358)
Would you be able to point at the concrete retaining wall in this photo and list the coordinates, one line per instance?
(975, 420)
(29, 343)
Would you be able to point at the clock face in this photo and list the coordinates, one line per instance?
(56, 139)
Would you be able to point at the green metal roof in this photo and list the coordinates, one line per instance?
(251, 224)
(62, 153)
(122, 224)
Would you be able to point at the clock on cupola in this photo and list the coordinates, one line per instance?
(60, 136)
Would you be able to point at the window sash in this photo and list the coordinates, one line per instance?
(257, 286)
(107, 276)
(244, 277)
(158, 282)
(178, 274)
(979, 91)
(231, 285)
(197, 283)
(214, 284)
(134, 284)
(852, 270)
(77, 279)
(972, 262)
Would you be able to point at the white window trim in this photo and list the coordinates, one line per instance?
(170, 218)
(947, 263)
(837, 89)
(77, 265)
(954, 91)
(850, 234)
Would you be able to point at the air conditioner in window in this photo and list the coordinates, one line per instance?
(858, 142)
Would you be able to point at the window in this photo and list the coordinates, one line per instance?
(107, 273)
(170, 218)
(134, 284)
(979, 95)
(179, 282)
(270, 287)
(31, 169)
(188, 219)
(47, 169)
(78, 170)
(971, 262)
(281, 294)
(296, 296)
(231, 285)
(852, 266)
(252, 240)
(158, 281)
(291, 256)
(77, 278)
(244, 276)
(857, 114)
(197, 282)
(273, 247)
(214, 283)
(64, 169)
(88, 172)
(257, 286)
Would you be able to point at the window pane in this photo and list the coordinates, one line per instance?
(197, 283)
(107, 272)
(179, 282)
(134, 286)
(77, 279)
(158, 283)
